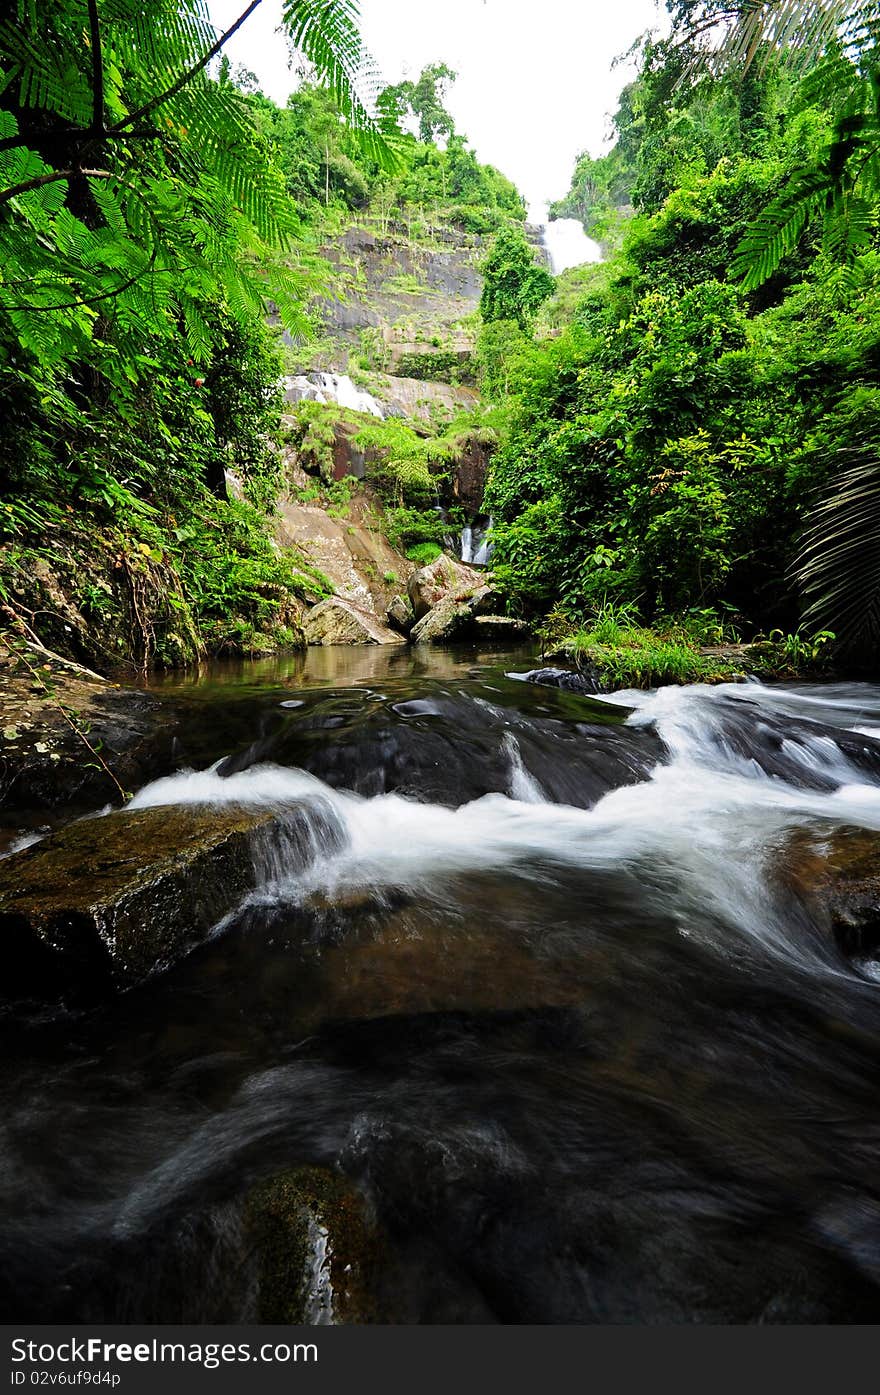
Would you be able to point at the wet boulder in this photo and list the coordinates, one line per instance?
(587, 682)
(336, 621)
(837, 876)
(315, 1250)
(106, 902)
(400, 615)
(448, 620)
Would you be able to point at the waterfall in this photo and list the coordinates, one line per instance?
(565, 242)
(568, 245)
(475, 547)
(331, 387)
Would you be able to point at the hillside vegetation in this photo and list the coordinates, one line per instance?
(693, 431)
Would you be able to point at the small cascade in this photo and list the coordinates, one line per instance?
(475, 547)
(331, 387)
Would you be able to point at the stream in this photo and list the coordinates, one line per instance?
(541, 993)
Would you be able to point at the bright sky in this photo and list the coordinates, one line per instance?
(535, 84)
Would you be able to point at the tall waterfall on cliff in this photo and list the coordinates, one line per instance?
(567, 245)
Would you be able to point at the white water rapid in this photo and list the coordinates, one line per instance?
(701, 829)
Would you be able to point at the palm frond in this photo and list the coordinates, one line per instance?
(805, 29)
(838, 567)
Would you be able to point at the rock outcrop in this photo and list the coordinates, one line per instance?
(338, 621)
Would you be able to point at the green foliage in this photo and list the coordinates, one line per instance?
(145, 229)
(627, 655)
(442, 366)
(423, 554)
(514, 284)
(669, 432)
(409, 528)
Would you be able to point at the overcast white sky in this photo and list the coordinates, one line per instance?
(535, 79)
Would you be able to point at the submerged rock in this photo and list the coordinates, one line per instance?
(336, 621)
(106, 902)
(315, 1248)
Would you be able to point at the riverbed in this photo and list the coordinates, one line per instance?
(544, 995)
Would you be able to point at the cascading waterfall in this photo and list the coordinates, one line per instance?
(475, 547)
(566, 243)
(331, 387)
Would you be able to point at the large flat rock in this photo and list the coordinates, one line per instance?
(106, 902)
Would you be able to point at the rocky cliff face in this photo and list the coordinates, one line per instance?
(402, 318)
(397, 341)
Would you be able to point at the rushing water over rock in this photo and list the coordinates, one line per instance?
(475, 546)
(554, 1000)
(331, 387)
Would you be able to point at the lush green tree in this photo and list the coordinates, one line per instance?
(514, 285)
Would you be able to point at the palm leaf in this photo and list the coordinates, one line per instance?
(838, 567)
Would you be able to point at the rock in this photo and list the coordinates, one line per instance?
(46, 762)
(485, 601)
(108, 901)
(400, 615)
(446, 621)
(336, 621)
(469, 474)
(838, 877)
(495, 628)
(444, 579)
(587, 683)
(315, 1249)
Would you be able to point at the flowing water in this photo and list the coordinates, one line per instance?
(541, 991)
(567, 245)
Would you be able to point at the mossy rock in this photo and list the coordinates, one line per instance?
(317, 1250)
(108, 901)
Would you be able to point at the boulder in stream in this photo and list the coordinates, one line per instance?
(336, 621)
(588, 683)
(400, 615)
(316, 1249)
(108, 901)
(447, 620)
(837, 875)
(443, 580)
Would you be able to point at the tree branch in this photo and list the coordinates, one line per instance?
(186, 77)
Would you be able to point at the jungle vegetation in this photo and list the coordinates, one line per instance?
(694, 429)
